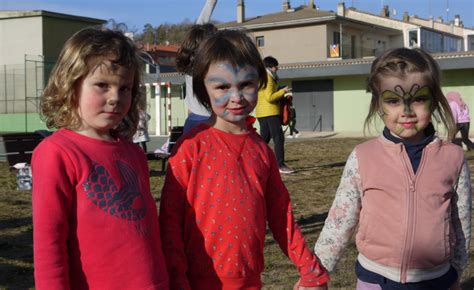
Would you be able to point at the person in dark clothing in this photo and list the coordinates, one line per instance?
(292, 120)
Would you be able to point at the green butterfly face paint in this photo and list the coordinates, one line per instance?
(405, 106)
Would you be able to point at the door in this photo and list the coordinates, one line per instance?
(314, 105)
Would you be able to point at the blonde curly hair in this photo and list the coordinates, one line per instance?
(81, 54)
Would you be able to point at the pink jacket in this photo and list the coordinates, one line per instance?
(412, 227)
(460, 113)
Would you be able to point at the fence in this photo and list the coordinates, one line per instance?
(21, 86)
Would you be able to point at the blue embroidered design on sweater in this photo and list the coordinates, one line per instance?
(126, 202)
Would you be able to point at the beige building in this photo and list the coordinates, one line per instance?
(30, 44)
(37, 33)
(307, 34)
(325, 56)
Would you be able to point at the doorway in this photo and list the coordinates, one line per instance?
(314, 105)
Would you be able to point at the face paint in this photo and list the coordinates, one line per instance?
(405, 105)
(232, 91)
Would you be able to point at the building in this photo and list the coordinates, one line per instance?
(164, 55)
(306, 33)
(31, 42)
(325, 56)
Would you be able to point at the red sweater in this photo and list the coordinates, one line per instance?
(95, 222)
(220, 191)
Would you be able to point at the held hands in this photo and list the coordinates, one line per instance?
(298, 287)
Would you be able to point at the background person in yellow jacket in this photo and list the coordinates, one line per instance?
(268, 112)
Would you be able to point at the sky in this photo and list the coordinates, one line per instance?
(137, 13)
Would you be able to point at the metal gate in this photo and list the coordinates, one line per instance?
(314, 105)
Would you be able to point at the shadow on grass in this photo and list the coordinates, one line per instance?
(16, 256)
(312, 221)
(16, 277)
(328, 165)
(15, 223)
(18, 247)
(157, 173)
(468, 284)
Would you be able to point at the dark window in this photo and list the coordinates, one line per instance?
(336, 38)
(413, 38)
(260, 41)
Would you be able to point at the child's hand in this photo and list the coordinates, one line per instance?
(298, 287)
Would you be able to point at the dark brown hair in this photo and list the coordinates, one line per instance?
(195, 36)
(231, 46)
(398, 63)
(81, 54)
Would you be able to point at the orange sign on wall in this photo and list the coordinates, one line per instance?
(334, 50)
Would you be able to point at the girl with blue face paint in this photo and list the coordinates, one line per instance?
(223, 183)
(233, 95)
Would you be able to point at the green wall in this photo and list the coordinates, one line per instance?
(351, 104)
(21, 122)
(351, 101)
(461, 81)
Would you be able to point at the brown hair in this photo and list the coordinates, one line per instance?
(197, 34)
(81, 54)
(398, 63)
(232, 46)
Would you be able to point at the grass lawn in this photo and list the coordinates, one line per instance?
(319, 163)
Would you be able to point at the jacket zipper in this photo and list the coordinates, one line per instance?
(411, 210)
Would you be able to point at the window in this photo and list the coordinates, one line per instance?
(260, 41)
(470, 42)
(413, 38)
(336, 37)
(433, 42)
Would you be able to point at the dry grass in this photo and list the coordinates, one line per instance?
(319, 163)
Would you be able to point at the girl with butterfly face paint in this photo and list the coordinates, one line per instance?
(407, 192)
(405, 106)
(223, 183)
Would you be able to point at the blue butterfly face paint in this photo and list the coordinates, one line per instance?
(233, 92)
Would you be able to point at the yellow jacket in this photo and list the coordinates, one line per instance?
(268, 99)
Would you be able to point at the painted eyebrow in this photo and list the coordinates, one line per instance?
(390, 94)
(216, 79)
(250, 76)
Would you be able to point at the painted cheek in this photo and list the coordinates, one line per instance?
(222, 100)
(240, 117)
(387, 110)
(399, 130)
(428, 107)
(251, 97)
